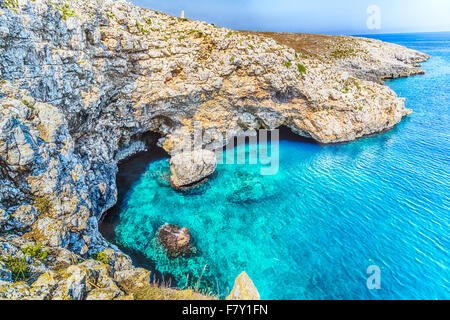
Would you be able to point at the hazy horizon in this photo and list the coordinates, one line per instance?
(325, 16)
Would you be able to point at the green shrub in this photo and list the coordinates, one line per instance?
(196, 32)
(288, 64)
(110, 16)
(19, 268)
(101, 257)
(66, 12)
(9, 4)
(141, 28)
(28, 105)
(301, 68)
(35, 251)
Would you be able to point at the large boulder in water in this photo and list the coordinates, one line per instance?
(176, 240)
(191, 168)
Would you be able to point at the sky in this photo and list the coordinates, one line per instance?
(314, 16)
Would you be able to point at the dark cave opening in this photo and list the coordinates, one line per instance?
(129, 172)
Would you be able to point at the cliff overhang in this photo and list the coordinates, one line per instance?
(81, 81)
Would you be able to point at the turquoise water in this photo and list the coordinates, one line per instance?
(311, 231)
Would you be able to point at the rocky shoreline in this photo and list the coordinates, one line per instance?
(82, 82)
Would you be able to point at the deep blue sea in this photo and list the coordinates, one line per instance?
(312, 230)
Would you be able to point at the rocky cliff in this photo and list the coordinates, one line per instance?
(82, 81)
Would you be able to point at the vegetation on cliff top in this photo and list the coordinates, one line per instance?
(35, 251)
(9, 4)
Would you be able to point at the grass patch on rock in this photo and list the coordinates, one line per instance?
(66, 11)
(42, 203)
(19, 268)
(101, 257)
(35, 251)
(301, 68)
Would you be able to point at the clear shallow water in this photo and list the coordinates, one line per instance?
(311, 231)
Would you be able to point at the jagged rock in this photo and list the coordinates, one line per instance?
(243, 289)
(189, 168)
(46, 280)
(132, 278)
(65, 275)
(103, 294)
(81, 79)
(25, 216)
(176, 240)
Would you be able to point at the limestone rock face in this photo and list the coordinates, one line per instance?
(243, 289)
(176, 240)
(362, 58)
(82, 80)
(61, 274)
(188, 168)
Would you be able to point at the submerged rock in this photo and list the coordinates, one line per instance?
(176, 240)
(189, 168)
(243, 289)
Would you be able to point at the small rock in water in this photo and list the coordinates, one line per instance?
(176, 240)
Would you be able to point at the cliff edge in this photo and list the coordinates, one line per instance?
(82, 81)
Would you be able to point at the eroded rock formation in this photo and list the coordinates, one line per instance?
(189, 168)
(81, 81)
